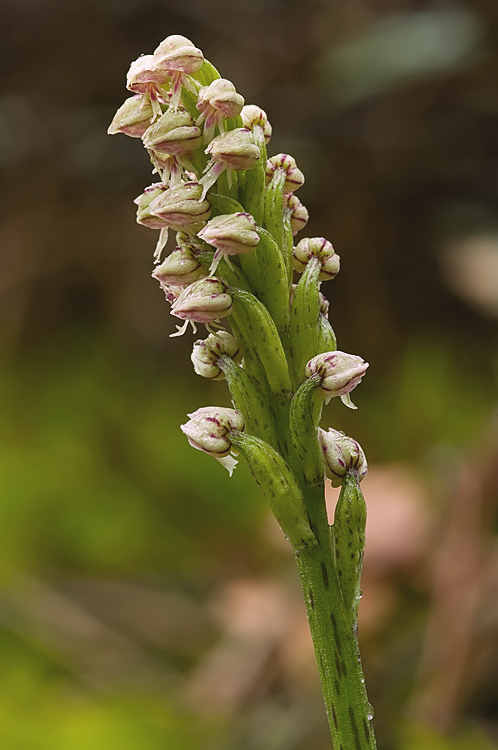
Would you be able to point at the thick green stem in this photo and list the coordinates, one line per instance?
(334, 638)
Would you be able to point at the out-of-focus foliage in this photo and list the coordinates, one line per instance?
(146, 599)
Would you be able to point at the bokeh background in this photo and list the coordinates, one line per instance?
(147, 601)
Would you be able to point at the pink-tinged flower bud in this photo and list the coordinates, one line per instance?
(173, 134)
(176, 58)
(206, 354)
(203, 301)
(341, 454)
(294, 178)
(141, 74)
(317, 247)
(180, 268)
(209, 429)
(215, 102)
(176, 53)
(144, 215)
(230, 234)
(339, 373)
(182, 206)
(143, 78)
(297, 212)
(254, 118)
(233, 150)
(133, 117)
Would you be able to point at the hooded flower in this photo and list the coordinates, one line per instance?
(208, 430)
(337, 374)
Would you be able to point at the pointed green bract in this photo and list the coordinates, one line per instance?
(257, 325)
(348, 534)
(250, 399)
(305, 310)
(280, 487)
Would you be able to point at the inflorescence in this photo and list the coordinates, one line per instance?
(235, 215)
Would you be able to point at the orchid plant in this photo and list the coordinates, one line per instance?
(235, 214)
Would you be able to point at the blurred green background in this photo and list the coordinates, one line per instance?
(146, 600)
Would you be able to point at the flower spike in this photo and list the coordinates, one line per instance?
(235, 214)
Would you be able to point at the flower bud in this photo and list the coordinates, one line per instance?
(231, 234)
(204, 301)
(177, 53)
(133, 117)
(339, 374)
(144, 215)
(215, 102)
(208, 430)
(253, 117)
(235, 149)
(206, 354)
(341, 454)
(181, 206)
(175, 59)
(294, 178)
(298, 213)
(173, 134)
(317, 247)
(180, 268)
(142, 73)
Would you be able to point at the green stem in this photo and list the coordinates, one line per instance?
(334, 638)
